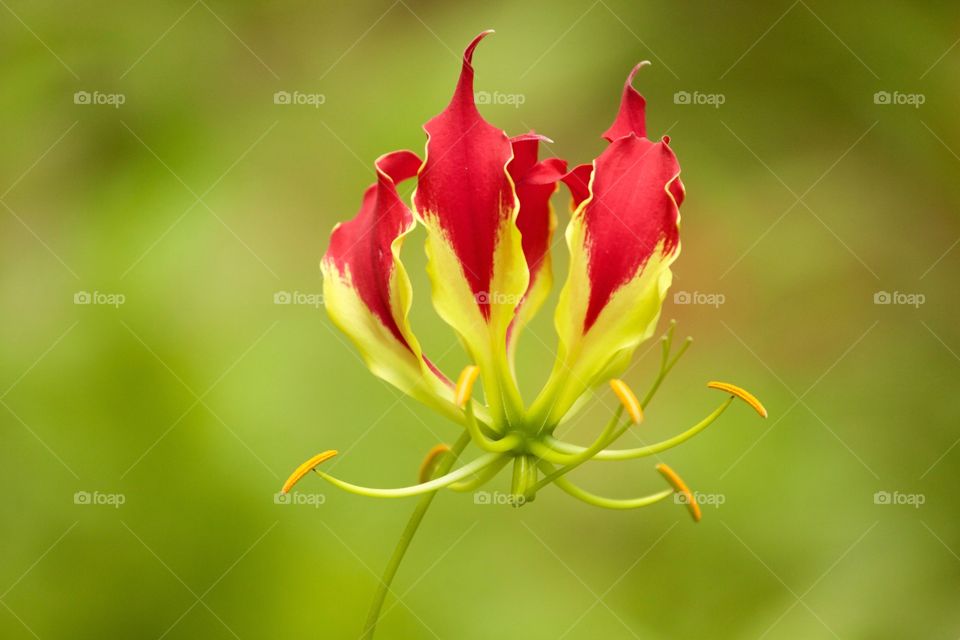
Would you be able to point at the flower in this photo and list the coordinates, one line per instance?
(484, 200)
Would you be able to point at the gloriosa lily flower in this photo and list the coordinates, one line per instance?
(484, 200)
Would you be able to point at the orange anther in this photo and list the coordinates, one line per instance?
(306, 468)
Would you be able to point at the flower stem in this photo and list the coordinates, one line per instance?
(373, 617)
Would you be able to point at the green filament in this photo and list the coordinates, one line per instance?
(418, 489)
(600, 501)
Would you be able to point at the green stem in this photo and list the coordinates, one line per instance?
(373, 617)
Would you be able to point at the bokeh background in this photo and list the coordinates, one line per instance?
(179, 412)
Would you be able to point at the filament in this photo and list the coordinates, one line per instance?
(482, 477)
(629, 454)
(600, 501)
(424, 487)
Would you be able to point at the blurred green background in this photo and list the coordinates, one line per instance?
(198, 199)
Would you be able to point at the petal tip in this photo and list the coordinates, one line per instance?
(635, 70)
(530, 136)
(468, 52)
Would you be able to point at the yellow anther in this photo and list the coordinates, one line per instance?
(628, 400)
(465, 385)
(429, 464)
(306, 468)
(743, 394)
(681, 487)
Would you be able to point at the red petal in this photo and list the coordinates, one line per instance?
(632, 115)
(678, 191)
(578, 181)
(362, 245)
(464, 184)
(632, 210)
(535, 182)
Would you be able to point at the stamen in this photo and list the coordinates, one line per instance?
(505, 443)
(306, 468)
(743, 394)
(465, 471)
(682, 488)
(549, 451)
(558, 448)
(465, 383)
(609, 434)
(628, 400)
(429, 464)
(481, 478)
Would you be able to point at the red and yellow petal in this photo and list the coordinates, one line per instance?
(367, 291)
(623, 236)
(535, 182)
(466, 200)
(630, 216)
(578, 182)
